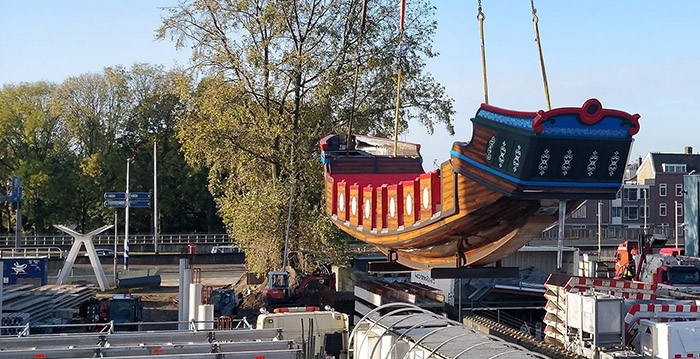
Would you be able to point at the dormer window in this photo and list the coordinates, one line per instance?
(674, 168)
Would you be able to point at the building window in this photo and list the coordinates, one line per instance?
(662, 209)
(631, 212)
(662, 190)
(679, 190)
(617, 211)
(643, 213)
(579, 213)
(630, 194)
(674, 168)
(679, 209)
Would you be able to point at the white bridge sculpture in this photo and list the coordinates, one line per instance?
(79, 240)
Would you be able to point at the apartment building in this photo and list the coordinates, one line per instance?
(653, 195)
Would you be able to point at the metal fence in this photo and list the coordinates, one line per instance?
(106, 239)
(50, 252)
(609, 233)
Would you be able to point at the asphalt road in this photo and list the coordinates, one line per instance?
(215, 275)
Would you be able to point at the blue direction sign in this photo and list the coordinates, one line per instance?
(139, 204)
(115, 195)
(139, 195)
(115, 204)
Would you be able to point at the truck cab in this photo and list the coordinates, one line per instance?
(125, 308)
(327, 331)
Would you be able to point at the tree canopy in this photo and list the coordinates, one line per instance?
(69, 142)
(276, 76)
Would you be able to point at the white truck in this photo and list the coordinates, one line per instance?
(669, 340)
(322, 333)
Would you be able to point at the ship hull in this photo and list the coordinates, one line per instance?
(492, 197)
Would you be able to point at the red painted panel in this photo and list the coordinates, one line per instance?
(394, 205)
(381, 207)
(342, 201)
(410, 207)
(355, 204)
(429, 194)
(368, 207)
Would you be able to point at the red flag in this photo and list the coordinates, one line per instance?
(403, 12)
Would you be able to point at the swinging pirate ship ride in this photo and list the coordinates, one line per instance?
(496, 192)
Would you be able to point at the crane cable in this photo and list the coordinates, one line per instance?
(398, 81)
(535, 20)
(349, 144)
(481, 17)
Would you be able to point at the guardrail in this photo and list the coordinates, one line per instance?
(610, 233)
(106, 239)
(50, 252)
(110, 327)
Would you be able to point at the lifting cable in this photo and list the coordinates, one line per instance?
(481, 17)
(535, 20)
(398, 81)
(349, 143)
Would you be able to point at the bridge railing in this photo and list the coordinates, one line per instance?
(106, 239)
(50, 252)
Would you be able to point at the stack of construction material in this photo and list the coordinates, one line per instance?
(374, 293)
(43, 304)
(554, 320)
(13, 319)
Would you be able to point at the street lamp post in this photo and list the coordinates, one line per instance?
(126, 219)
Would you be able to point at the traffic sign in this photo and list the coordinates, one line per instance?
(139, 204)
(115, 204)
(140, 195)
(115, 195)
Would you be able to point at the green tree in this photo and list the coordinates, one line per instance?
(69, 143)
(278, 76)
(35, 146)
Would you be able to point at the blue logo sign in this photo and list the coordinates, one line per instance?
(17, 269)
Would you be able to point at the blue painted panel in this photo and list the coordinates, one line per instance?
(16, 269)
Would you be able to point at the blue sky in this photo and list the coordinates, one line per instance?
(637, 56)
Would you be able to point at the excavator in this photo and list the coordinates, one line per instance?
(278, 292)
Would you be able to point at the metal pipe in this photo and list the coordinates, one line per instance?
(116, 239)
(560, 234)
(2, 279)
(600, 219)
(675, 215)
(126, 224)
(644, 190)
(155, 200)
